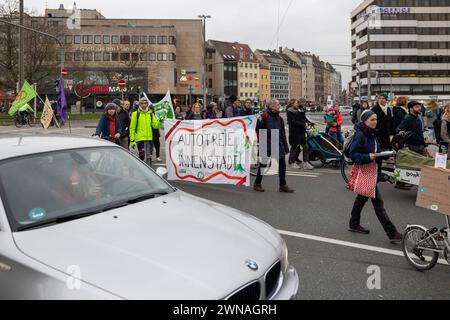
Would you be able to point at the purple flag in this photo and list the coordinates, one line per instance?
(62, 103)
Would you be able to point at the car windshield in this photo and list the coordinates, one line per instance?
(45, 187)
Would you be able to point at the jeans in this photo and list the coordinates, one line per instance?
(378, 205)
(281, 173)
(337, 136)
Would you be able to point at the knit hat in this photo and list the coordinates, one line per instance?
(117, 102)
(413, 103)
(331, 109)
(384, 95)
(110, 106)
(366, 115)
(144, 100)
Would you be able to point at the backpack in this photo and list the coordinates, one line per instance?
(348, 145)
(137, 120)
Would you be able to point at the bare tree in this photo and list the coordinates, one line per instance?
(40, 51)
(137, 55)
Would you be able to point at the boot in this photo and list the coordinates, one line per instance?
(286, 189)
(258, 188)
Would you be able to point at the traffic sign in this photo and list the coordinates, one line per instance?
(64, 73)
(122, 84)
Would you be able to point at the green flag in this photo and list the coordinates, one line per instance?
(25, 95)
(164, 108)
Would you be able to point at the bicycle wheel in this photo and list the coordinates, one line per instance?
(346, 169)
(317, 158)
(31, 121)
(420, 259)
(18, 122)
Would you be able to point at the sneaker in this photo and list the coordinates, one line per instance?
(307, 166)
(286, 189)
(258, 188)
(360, 230)
(294, 166)
(158, 160)
(397, 238)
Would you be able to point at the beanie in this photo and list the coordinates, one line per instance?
(366, 115)
(110, 106)
(117, 102)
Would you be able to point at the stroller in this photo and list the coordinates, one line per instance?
(323, 149)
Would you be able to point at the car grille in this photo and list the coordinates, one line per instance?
(272, 278)
(249, 293)
(252, 292)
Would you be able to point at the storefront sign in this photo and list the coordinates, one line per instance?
(84, 91)
(392, 10)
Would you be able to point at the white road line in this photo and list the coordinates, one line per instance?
(349, 244)
(305, 173)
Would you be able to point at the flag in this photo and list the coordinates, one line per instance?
(164, 108)
(47, 114)
(25, 95)
(62, 103)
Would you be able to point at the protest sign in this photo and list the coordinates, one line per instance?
(434, 189)
(47, 115)
(210, 151)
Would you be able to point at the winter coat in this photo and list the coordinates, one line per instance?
(143, 131)
(412, 124)
(273, 121)
(124, 119)
(385, 127)
(363, 144)
(399, 115)
(297, 124)
(103, 127)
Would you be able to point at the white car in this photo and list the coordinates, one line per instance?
(346, 110)
(84, 219)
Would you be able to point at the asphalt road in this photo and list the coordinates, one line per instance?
(332, 262)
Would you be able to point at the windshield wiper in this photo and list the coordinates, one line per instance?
(85, 214)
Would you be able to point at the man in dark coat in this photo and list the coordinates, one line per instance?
(412, 126)
(270, 122)
(385, 127)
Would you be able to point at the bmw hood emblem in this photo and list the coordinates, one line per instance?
(252, 265)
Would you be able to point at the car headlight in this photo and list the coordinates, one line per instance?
(284, 258)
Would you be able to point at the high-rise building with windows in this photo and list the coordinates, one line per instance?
(405, 44)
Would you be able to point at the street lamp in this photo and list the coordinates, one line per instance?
(204, 17)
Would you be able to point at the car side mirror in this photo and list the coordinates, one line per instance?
(162, 172)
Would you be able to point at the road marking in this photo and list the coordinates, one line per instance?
(349, 244)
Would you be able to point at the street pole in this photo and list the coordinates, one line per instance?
(204, 17)
(369, 71)
(21, 46)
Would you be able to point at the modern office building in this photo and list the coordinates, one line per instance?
(405, 45)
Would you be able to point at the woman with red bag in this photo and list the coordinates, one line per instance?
(366, 175)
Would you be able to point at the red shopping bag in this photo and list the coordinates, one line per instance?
(363, 180)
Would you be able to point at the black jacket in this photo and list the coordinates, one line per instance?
(297, 123)
(385, 127)
(399, 115)
(273, 121)
(412, 124)
(125, 120)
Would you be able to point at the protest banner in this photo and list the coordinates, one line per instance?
(47, 115)
(210, 151)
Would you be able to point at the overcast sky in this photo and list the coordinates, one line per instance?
(319, 26)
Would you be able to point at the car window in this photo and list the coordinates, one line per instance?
(47, 186)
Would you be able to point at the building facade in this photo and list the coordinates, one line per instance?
(151, 55)
(295, 77)
(279, 74)
(264, 85)
(406, 42)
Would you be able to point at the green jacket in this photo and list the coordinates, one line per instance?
(143, 131)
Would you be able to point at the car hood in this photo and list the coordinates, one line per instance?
(173, 247)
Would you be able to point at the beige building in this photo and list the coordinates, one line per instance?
(155, 55)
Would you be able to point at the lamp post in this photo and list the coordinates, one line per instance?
(21, 47)
(204, 17)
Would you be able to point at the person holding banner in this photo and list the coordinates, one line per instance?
(143, 121)
(268, 124)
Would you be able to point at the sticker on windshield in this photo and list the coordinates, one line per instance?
(37, 214)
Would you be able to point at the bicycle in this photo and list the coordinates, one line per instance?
(423, 247)
(22, 119)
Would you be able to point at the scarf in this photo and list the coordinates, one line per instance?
(385, 109)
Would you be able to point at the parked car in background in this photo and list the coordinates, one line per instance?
(84, 219)
(346, 110)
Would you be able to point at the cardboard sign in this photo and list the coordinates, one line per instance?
(434, 190)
